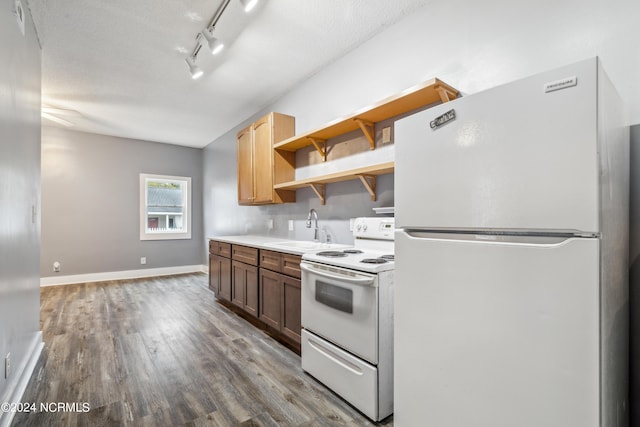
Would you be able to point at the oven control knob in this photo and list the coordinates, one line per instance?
(364, 227)
(359, 227)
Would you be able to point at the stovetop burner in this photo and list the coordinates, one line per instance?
(352, 251)
(374, 260)
(390, 257)
(332, 254)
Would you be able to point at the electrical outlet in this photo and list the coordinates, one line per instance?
(386, 135)
(56, 267)
(290, 225)
(351, 222)
(270, 224)
(143, 260)
(7, 365)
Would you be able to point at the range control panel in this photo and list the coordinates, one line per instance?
(374, 228)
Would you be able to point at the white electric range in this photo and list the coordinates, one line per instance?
(347, 317)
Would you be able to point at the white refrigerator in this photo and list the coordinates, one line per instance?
(511, 295)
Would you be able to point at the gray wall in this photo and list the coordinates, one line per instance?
(19, 193)
(90, 203)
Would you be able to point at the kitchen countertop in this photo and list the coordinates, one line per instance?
(278, 244)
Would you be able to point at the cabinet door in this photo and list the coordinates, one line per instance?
(291, 319)
(263, 160)
(244, 292)
(214, 274)
(251, 290)
(224, 288)
(238, 283)
(245, 166)
(220, 276)
(270, 298)
(259, 166)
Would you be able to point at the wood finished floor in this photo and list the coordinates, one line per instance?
(162, 352)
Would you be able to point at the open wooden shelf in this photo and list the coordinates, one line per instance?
(415, 97)
(367, 175)
(419, 96)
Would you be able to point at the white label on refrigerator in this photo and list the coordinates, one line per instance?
(561, 84)
(443, 119)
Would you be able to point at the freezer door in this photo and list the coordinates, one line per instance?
(514, 157)
(492, 333)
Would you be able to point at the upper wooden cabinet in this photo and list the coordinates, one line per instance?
(245, 166)
(259, 166)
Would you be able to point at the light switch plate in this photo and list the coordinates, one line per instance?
(386, 135)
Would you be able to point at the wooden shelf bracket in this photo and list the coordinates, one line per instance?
(369, 182)
(321, 147)
(368, 129)
(319, 190)
(445, 95)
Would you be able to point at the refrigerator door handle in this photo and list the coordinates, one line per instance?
(498, 239)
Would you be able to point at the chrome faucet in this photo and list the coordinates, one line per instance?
(314, 214)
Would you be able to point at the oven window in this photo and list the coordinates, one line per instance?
(334, 296)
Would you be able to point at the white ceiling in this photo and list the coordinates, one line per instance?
(121, 64)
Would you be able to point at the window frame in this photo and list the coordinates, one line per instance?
(164, 235)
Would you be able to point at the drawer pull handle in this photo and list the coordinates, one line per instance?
(335, 358)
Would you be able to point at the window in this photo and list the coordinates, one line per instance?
(165, 207)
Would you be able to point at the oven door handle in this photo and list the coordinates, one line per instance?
(362, 280)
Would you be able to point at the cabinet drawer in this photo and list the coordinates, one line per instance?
(220, 248)
(291, 265)
(271, 260)
(244, 254)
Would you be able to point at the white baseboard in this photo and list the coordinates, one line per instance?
(16, 388)
(121, 275)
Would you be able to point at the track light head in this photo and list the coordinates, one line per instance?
(248, 4)
(195, 71)
(215, 44)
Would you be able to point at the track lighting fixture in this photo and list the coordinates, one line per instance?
(215, 45)
(195, 71)
(248, 4)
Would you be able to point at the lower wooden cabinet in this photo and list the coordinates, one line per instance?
(262, 284)
(280, 303)
(244, 292)
(291, 319)
(270, 292)
(220, 276)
